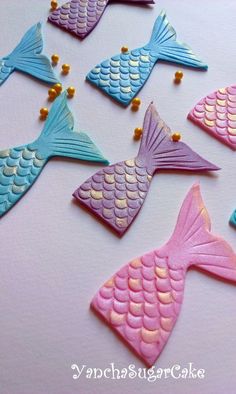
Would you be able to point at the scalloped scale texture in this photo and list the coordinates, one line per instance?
(116, 193)
(141, 302)
(233, 219)
(216, 114)
(78, 17)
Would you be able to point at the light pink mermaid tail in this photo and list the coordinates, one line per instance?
(79, 17)
(142, 301)
(216, 114)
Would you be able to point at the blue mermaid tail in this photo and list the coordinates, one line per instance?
(122, 76)
(19, 167)
(26, 57)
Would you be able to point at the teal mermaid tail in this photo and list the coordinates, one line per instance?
(20, 167)
(122, 76)
(26, 57)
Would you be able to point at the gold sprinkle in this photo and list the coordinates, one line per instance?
(134, 284)
(117, 318)
(166, 298)
(109, 178)
(161, 272)
(121, 203)
(97, 195)
(167, 323)
(150, 336)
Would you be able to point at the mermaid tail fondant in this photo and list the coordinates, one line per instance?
(117, 193)
(142, 301)
(80, 18)
(26, 57)
(20, 166)
(122, 76)
(216, 114)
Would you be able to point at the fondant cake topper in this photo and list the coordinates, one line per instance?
(26, 57)
(142, 301)
(216, 113)
(122, 76)
(19, 167)
(116, 193)
(80, 18)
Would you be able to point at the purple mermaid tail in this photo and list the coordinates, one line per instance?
(116, 193)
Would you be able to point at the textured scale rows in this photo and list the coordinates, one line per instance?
(142, 301)
(123, 75)
(19, 167)
(216, 113)
(117, 193)
(78, 16)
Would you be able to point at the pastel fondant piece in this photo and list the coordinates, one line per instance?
(116, 193)
(26, 57)
(80, 18)
(19, 167)
(233, 219)
(216, 114)
(122, 76)
(142, 301)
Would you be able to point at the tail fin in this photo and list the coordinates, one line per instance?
(193, 243)
(233, 219)
(163, 153)
(27, 57)
(58, 137)
(163, 43)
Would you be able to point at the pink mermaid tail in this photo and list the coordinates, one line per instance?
(117, 193)
(142, 301)
(216, 114)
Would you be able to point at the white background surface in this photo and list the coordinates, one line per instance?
(54, 255)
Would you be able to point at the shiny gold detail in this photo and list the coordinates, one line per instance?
(65, 68)
(121, 203)
(43, 113)
(58, 87)
(232, 117)
(9, 171)
(221, 102)
(150, 336)
(138, 131)
(209, 123)
(55, 58)
(179, 74)
(121, 222)
(54, 5)
(4, 153)
(130, 163)
(109, 283)
(209, 108)
(166, 323)
(144, 58)
(117, 318)
(136, 101)
(136, 263)
(52, 94)
(232, 131)
(71, 91)
(97, 195)
(110, 178)
(165, 298)
(124, 49)
(176, 137)
(223, 91)
(136, 308)
(161, 272)
(135, 284)
(130, 178)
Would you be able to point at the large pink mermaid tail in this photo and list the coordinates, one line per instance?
(80, 17)
(216, 114)
(117, 193)
(142, 301)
